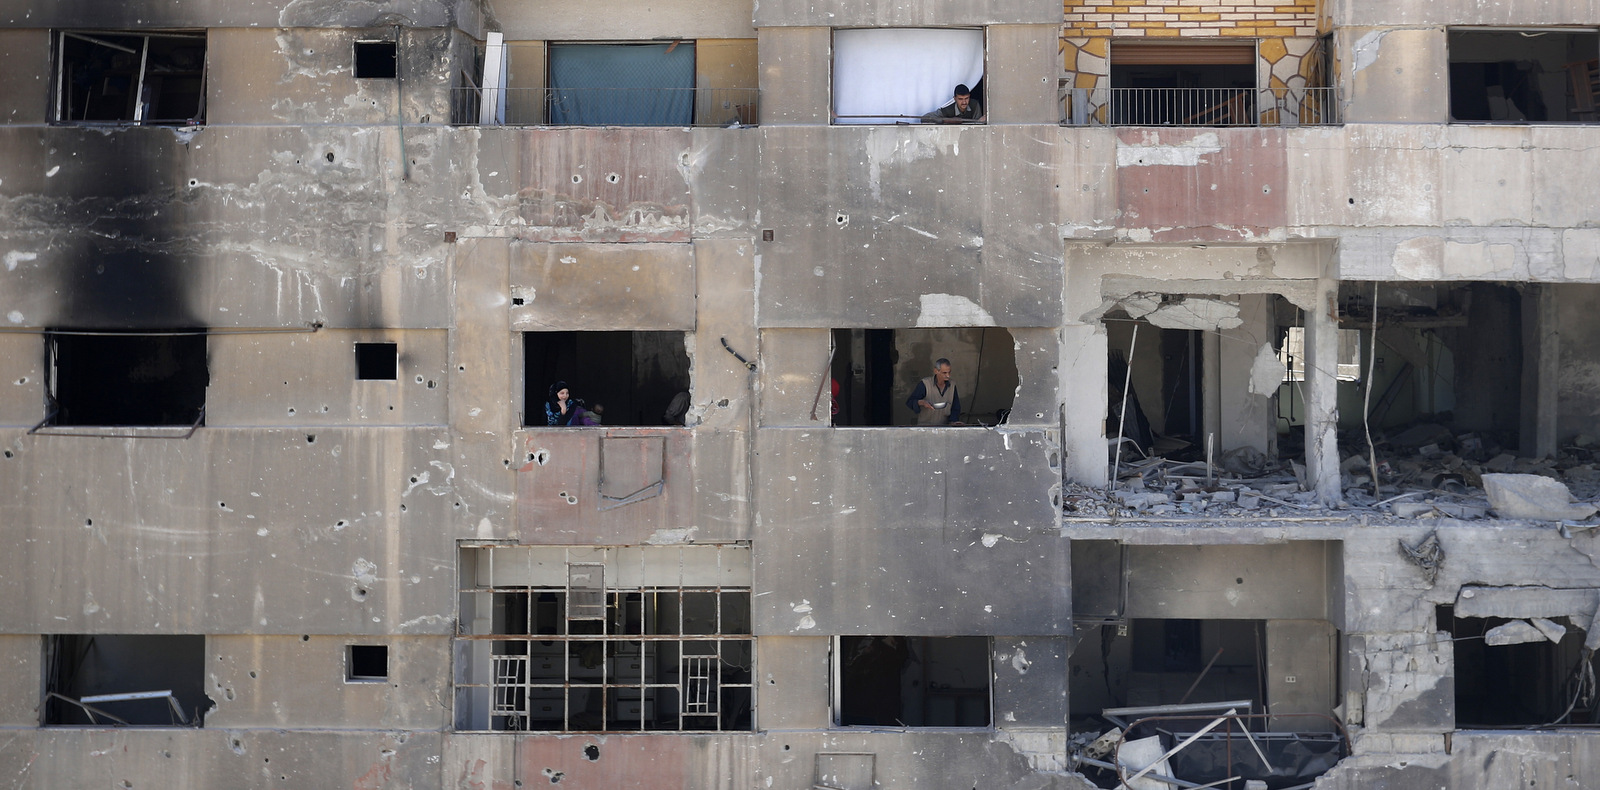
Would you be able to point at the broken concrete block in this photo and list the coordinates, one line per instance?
(1515, 632)
(1500, 463)
(1353, 463)
(1461, 511)
(1430, 451)
(1224, 496)
(1411, 509)
(1533, 497)
(1551, 629)
(1142, 500)
(1469, 444)
(1249, 501)
(1585, 440)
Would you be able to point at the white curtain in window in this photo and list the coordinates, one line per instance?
(883, 73)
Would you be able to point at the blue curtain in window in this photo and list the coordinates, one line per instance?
(622, 84)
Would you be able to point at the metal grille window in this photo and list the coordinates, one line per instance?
(585, 639)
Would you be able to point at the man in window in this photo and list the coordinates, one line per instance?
(934, 400)
(961, 109)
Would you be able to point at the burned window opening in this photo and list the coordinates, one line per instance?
(661, 644)
(127, 378)
(875, 374)
(913, 681)
(137, 680)
(377, 60)
(1521, 672)
(611, 378)
(121, 77)
(1524, 76)
(366, 663)
(378, 361)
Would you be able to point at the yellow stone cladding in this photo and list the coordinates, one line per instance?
(1169, 18)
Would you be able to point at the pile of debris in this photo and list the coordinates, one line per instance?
(1205, 745)
(1425, 471)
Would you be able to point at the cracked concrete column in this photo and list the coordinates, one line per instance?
(1321, 392)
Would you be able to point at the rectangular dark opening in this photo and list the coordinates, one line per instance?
(377, 60)
(611, 378)
(914, 681)
(1524, 76)
(1509, 673)
(378, 361)
(877, 374)
(117, 378)
(122, 676)
(1155, 661)
(109, 76)
(366, 663)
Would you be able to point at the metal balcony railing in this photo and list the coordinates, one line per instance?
(1200, 107)
(606, 106)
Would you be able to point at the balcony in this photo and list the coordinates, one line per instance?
(1200, 107)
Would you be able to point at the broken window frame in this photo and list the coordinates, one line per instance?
(702, 660)
(836, 658)
(141, 106)
(979, 88)
(52, 404)
(1592, 75)
(107, 709)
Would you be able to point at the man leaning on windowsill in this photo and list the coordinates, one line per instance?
(961, 109)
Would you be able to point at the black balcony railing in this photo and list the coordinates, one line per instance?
(1199, 107)
(607, 106)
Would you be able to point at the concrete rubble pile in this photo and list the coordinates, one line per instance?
(1424, 471)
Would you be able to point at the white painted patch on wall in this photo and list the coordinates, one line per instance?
(1418, 258)
(1365, 51)
(672, 537)
(989, 538)
(15, 257)
(15, 316)
(1154, 153)
(939, 310)
(52, 171)
(1266, 373)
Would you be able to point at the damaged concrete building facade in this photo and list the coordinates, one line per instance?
(288, 289)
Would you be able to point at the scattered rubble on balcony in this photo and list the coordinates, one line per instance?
(1425, 471)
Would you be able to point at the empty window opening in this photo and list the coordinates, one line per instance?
(586, 639)
(913, 681)
(1520, 672)
(611, 378)
(377, 60)
(1158, 84)
(1447, 362)
(107, 679)
(1293, 355)
(907, 75)
(378, 361)
(1524, 76)
(110, 378)
(117, 77)
(366, 663)
(622, 84)
(877, 374)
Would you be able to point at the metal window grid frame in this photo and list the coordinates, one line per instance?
(537, 680)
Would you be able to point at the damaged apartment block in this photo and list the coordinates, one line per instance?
(799, 395)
